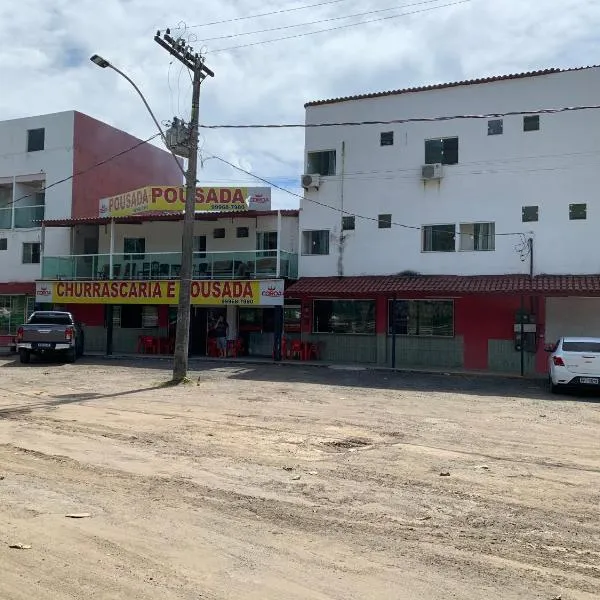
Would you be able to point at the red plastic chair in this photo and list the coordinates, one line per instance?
(213, 349)
(147, 344)
(297, 350)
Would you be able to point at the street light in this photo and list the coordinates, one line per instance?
(103, 63)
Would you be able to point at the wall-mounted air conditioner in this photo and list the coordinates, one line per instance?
(311, 181)
(434, 171)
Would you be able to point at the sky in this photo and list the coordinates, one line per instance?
(46, 45)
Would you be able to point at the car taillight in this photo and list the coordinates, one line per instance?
(558, 361)
(20, 334)
(69, 333)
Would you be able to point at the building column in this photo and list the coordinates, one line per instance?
(111, 249)
(381, 329)
(109, 329)
(278, 333)
(278, 267)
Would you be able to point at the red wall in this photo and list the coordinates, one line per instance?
(92, 315)
(482, 318)
(95, 141)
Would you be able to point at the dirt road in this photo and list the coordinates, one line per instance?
(293, 483)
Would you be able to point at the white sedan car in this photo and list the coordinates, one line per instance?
(574, 362)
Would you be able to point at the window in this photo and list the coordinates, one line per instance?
(31, 253)
(291, 319)
(384, 221)
(531, 123)
(315, 242)
(495, 127)
(587, 347)
(134, 248)
(242, 232)
(348, 223)
(49, 318)
(149, 316)
(134, 316)
(529, 214)
(219, 233)
(386, 138)
(439, 238)
(266, 242)
(421, 317)
(14, 311)
(344, 316)
(577, 212)
(255, 320)
(321, 162)
(199, 246)
(3, 244)
(477, 236)
(35, 140)
(444, 150)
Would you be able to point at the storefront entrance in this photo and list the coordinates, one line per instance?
(202, 324)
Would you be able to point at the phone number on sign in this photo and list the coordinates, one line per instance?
(238, 301)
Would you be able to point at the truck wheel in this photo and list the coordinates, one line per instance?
(71, 355)
(24, 356)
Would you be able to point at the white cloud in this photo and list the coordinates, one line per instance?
(44, 64)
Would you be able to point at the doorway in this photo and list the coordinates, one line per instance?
(198, 329)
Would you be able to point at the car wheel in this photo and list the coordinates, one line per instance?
(24, 356)
(71, 355)
(555, 389)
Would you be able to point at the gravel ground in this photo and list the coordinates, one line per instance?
(291, 482)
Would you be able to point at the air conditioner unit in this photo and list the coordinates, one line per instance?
(434, 171)
(311, 181)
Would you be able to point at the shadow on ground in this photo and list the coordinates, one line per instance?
(359, 378)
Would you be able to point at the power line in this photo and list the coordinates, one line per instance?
(267, 14)
(306, 24)
(83, 171)
(298, 35)
(541, 111)
(343, 212)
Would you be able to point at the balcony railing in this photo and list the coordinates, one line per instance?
(29, 216)
(5, 218)
(26, 217)
(260, 264)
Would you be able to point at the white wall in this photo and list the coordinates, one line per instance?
(52, 164)
(572, 317)
(495, 177)
(166, 236)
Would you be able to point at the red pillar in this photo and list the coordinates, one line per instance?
(381, 315)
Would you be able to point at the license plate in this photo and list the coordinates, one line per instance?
(589, 380)
(44, 345)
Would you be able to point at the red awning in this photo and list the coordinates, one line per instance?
(17, 288)
(574, 285)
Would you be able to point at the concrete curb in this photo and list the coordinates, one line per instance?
(323, 365)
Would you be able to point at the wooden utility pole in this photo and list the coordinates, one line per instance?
(195, 63)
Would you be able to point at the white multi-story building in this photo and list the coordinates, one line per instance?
(47, 171)
(464, 221)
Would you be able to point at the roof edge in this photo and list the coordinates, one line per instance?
(441, 86)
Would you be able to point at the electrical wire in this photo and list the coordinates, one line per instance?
(267, 14)
(328, 206)
(318, 21)
(83, 171)
(540, 111)
(299, 35)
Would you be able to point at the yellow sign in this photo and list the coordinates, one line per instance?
(161, 198)
(207, 292)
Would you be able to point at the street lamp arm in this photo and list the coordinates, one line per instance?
(103, 64)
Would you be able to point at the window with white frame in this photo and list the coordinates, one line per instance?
(315, 242)
(477, 236)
